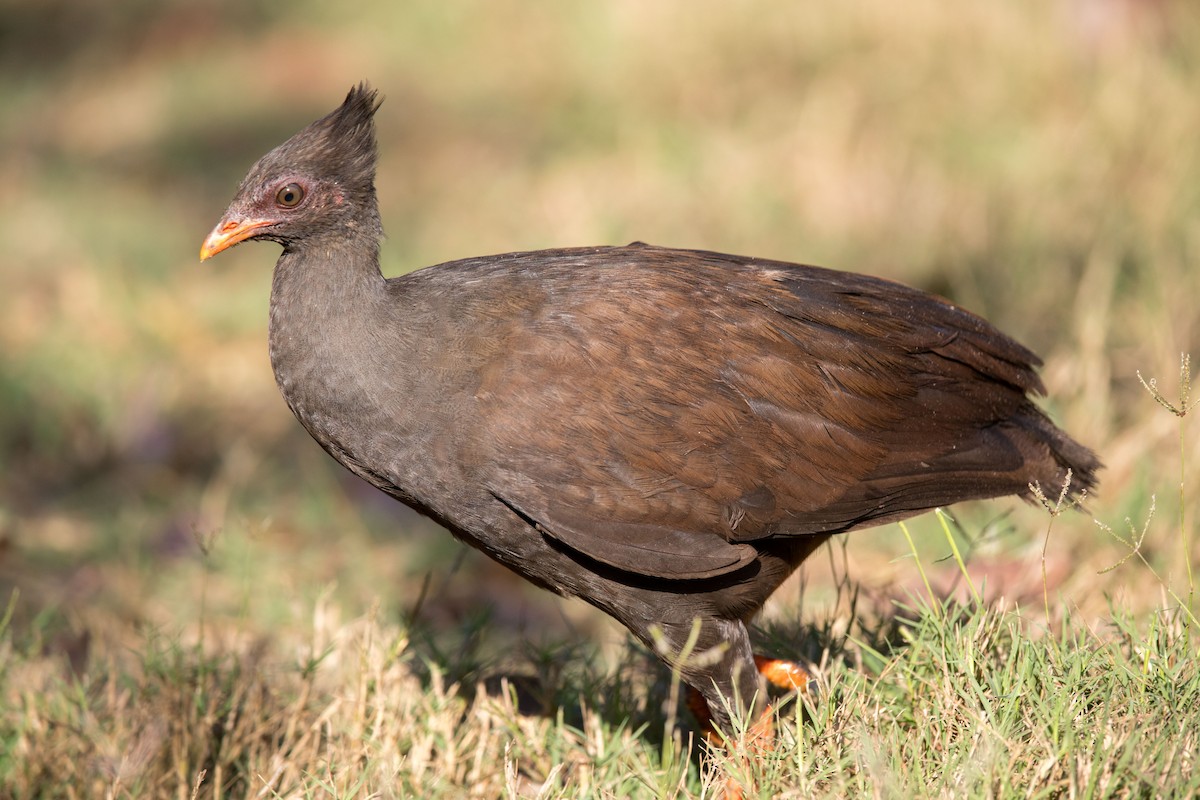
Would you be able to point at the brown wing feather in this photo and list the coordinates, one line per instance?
(705, 400)
(638, 546)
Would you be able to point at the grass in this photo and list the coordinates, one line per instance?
(200, 604)
(937, 700)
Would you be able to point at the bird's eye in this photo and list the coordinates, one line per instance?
(290, 195)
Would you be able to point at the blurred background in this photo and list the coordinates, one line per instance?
(1036, 161)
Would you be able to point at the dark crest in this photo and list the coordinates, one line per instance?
(342, 143)
(353, 122)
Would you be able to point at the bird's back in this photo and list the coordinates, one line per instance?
(658, 410)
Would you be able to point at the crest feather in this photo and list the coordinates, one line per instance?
(339, 146)
(355, 118)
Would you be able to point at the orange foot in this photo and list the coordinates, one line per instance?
(761, 734)
(784, 674)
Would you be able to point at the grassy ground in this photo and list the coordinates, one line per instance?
(942, 700)
(199, 603)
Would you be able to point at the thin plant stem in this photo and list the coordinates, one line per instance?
(1183, 531)
(1053, 509)
(920, 569)
(944, 519)
(1180, 410)
(1045, 581)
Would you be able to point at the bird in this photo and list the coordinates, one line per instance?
(666, 434)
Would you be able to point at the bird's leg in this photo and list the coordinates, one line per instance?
(760, 735)
(787, 675)
(728, 686)
(726, 681)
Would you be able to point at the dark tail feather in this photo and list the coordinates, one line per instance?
(1052, 453)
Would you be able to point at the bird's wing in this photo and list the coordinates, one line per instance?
(643, 547)
(662, 413)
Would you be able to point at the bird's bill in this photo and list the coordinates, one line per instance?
(228, 233)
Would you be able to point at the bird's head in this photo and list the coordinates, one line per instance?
(319, 182)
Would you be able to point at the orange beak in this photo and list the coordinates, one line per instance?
(228, 233)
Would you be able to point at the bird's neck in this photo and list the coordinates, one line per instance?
(326, 313)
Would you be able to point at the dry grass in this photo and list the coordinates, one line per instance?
(356, 710)
(938, 701)
(195, 580)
